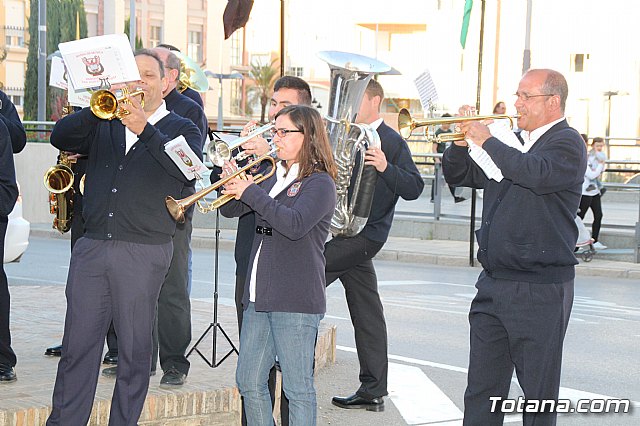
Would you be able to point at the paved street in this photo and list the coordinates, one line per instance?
(426, 307)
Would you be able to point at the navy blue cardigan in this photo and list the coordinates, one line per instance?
(290, 273)
(528, 231)
(10, 118)
(124, 195)
(8, 187)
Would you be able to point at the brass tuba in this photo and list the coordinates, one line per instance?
(350, 74)
(58, 180)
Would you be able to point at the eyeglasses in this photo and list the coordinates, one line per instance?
(283, 132)
(525, 96)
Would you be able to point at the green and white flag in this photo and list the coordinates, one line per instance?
(468, 4)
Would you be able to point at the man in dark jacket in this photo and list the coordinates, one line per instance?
(119, 265)
(525, 292)
(349, 259)
(12, 140)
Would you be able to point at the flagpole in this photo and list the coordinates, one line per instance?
(472, 223)
(281, 38)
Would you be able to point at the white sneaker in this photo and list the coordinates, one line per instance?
(599, 246)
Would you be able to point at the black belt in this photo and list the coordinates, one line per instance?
(264, 230)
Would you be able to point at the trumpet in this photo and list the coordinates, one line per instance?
(107, 106)
(220, 152)
(177, 208)
(406, 124)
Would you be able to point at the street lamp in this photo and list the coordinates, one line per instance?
(220, 77)
(607, 131)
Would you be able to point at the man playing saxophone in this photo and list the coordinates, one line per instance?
(118, 266)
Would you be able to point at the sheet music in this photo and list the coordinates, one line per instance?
(95, 60)
(502, 131)
(426, 90)
(183, 156)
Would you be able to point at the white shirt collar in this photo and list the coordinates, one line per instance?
(131, 138)
(376, 124)
(283, 181)
(530, 138)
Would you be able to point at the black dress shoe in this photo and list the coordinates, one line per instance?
(112, 372)
(7, 374)
(111, 358)
(172, 378)
(459, 199)
(356, 401)
(53, 351)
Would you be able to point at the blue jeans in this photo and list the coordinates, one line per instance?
(291, 337)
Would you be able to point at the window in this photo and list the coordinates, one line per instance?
(194, 45)
(17, 100)
(236, 97)
(155, 35)
(14, 36)
(236, 48)
(296, 71)
(578, 61)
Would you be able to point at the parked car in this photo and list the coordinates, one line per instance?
(17, 238)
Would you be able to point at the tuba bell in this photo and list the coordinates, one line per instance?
(355, 183)
(191, 75)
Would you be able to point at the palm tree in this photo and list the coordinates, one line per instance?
(263, 77)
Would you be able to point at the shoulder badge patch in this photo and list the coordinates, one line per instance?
(294, 189)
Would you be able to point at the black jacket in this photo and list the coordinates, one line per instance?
(10, 118)
(528, 231)
(8, 187)
(401, 178)
(124, 196)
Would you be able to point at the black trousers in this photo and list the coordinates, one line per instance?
(594, 203)
(284, 402)
(521, 325)
(172, 336)
(77, 231)
(108, 280)
(349, 260)
(7, 356)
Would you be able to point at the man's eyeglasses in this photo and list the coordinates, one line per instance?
(525, 96)
(283, 132)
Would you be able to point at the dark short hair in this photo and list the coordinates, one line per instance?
(597, 140)
(168, 46)
(446, 114)
(375, 89)
(315, 154)
(297, 84)
(154, 55)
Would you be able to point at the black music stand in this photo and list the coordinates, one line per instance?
(215, 325)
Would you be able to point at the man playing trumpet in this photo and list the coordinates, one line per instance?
(119, 264)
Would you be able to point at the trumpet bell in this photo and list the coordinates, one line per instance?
(406, 124)
(58, 179)
(107, 106)
(191, 75)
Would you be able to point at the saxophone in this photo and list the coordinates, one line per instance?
(58, 180)
(355, 183)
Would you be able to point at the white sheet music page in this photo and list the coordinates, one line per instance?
(501, 131)
(426, 90)
(183, 156)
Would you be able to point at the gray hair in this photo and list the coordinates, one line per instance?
(556, 84)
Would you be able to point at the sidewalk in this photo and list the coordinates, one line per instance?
(209, 397)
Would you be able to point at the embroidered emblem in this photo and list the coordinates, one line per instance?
(294, 189)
